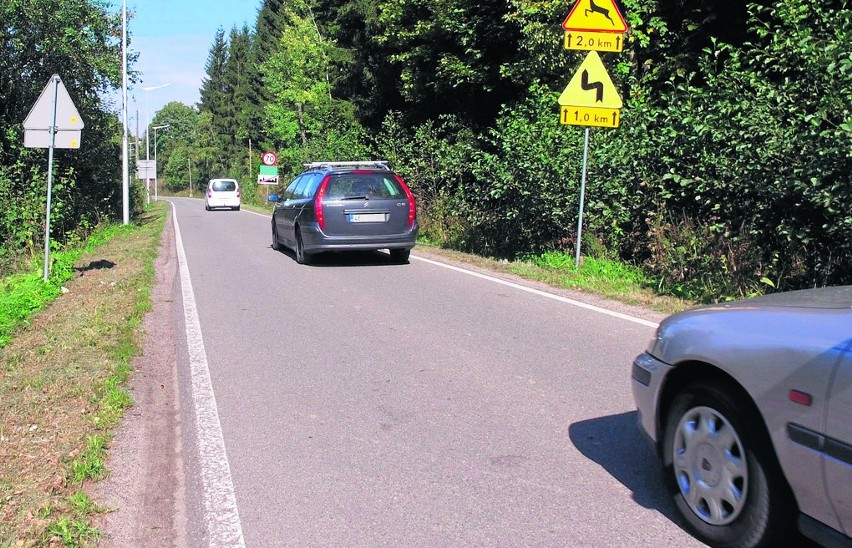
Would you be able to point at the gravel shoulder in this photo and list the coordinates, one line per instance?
(143, 494)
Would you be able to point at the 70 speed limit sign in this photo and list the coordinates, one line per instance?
(269, 159)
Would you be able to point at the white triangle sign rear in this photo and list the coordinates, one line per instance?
(41, 115)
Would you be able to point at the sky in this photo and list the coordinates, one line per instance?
(173, 39)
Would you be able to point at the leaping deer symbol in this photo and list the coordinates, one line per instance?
(594, 8)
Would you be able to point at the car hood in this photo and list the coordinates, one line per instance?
(839, 297)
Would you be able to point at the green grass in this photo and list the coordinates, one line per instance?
(612, 279)
(22, 295)
(90, 463)
(615, 280)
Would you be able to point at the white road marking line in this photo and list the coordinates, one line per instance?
(266, 215)
(221, 515)
(579, 304)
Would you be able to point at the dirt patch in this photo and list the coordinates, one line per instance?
(143, 493)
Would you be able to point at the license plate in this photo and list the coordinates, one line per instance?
(367, 217)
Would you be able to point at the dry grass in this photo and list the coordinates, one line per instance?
(62, 390)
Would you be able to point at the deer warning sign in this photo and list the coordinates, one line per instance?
(595, 16)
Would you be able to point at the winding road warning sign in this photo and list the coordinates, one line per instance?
(591, 86)
(590, 99)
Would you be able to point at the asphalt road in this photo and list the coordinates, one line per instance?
(354, 402)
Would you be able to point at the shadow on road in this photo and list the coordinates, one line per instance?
(615, 443)
(346, 258)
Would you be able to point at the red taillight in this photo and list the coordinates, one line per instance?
(238, 193)
(318, 202)
(412, 207)
(209, 193)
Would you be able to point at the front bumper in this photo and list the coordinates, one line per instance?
(647, 379)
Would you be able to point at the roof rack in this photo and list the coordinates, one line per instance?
(376, 164)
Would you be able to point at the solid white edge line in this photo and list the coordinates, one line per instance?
(221, 515)
(565, 300)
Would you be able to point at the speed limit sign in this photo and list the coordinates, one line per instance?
(269, 159)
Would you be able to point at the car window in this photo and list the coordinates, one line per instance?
(313, 184)
(224, 186)
(288, 193)
(299, 190)
(358, 185)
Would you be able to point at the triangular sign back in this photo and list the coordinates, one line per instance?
(67, 117)
(595, 16)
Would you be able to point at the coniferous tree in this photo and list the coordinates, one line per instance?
(237, 78)
(216, 102)
(268, 30)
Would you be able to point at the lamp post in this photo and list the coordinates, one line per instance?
(125, 163)
(147, 137)
(156, 167)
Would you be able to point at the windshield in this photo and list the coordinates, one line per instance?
(356, 185)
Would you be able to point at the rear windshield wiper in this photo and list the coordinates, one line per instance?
(356, 197)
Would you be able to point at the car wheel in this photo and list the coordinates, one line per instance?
(237, 208)
(400, 255)
(721, 471)
(275, 244)
(206, 207)
(301, 256)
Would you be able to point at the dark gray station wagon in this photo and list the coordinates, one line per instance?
(344, 206)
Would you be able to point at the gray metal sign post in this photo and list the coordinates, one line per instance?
(582, 199)
(52, 123)
(50, 179)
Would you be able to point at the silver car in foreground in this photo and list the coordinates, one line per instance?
(749, 407)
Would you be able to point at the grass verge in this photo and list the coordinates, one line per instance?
(611, 279)
(63, 380)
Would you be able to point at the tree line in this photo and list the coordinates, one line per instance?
(729, 174)
(79, 40)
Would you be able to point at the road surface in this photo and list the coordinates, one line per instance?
(355, 402)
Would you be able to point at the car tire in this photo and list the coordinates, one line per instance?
(206, 207)
(400, 256)
(721, 471)
(276, 245)
(237, 208)
(301, 256)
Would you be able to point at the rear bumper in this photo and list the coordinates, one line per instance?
(316, 241)
(646, 382)
(223, 202)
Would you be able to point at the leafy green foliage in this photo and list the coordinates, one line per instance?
(77, 40)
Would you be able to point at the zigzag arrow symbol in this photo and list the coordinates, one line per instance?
(584, 83)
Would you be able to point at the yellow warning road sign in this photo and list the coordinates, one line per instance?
(595, 16)
(591, 86)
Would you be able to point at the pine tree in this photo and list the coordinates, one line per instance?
(215, 100)
(270, 26)
(237, 78)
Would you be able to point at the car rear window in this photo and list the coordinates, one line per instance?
(224, 186)
(357, 185)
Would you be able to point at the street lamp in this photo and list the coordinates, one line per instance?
(156, 167)
(147, 138)
(125, 161)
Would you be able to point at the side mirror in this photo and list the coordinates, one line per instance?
(273, 198)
